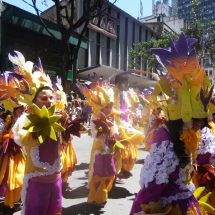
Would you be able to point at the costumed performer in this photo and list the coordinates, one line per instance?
(68, 157)
(156, 119)
(165, 181)
(204, 172)
(125, 160)
(39, 132)
(12, 158)
(101, 169)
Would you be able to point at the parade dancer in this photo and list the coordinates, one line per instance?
(41, 136)
(101, 169)
(68, 155)
(204, 174)
(121, 111)
(165, 181)
(156, 118)
(12, 158)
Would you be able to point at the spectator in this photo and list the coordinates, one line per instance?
(70, 97)
(77, 104)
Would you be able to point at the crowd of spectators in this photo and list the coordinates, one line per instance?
(76, 107)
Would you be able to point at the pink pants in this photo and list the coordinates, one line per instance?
(43, 198)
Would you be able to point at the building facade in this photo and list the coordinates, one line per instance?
(208, 7)
(164, 24)
(165, 18)
(111, 36)
(23, 31)
(210, 71)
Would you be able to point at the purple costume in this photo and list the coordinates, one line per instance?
(206, 151)
(161, 177)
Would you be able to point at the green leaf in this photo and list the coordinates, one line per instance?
(44, 112)
(57, 127)
(34, 118)
(36, 110)
(41, 136)
(27, 125)
(50, 132)
(205, 198)
(197, 193)
(51, 110)
(35, 128)
(119, 145)
(53, 119)
(206, 206)
(112, 150)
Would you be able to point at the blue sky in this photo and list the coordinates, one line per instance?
(130, 6)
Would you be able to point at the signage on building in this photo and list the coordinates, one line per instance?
(51, 71)
(104, 24)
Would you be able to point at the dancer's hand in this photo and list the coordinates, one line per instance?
(63, 118)
(121, 114)
(110, 117)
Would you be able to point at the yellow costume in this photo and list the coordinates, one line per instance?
(132, 137)
(101, 169)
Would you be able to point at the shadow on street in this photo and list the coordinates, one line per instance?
(85, 177)
(82, 208)
(142, 149)
(80, 192)
(119, 193)
(6, 210)
(82, 166)
(140, 161)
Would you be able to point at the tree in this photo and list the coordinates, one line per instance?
(143, 52)
(67, 13)
(197, 29)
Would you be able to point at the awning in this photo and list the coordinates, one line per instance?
(30, 21)
(105, 72)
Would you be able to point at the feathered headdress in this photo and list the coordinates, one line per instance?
(60, 94)
(133, 97)
(21, 85)
(98, 97)
(186, 88)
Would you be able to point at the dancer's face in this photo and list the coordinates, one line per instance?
(197, 124)
(159, 110)
(44, 98)
(123, 84)
(107, 109)
(18, 112)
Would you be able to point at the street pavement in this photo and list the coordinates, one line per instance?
(119, 200)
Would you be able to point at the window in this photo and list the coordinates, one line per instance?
(206, 72)
(210, 72)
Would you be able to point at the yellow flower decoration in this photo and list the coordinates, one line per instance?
(43, 122)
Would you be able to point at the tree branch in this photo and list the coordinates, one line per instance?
(59, 16)
(41, 20)
(79, 42)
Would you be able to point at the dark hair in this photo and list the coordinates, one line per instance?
(4, 116)
(205, 123)
(174, 127)
(121, 78)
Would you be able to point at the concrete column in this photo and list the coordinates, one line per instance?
(113, 55)
(103, 50)
(122, 42)
(130, 30)
(92, 51)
